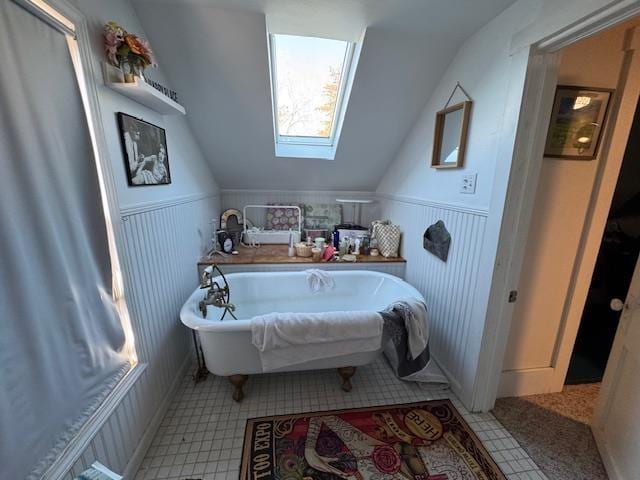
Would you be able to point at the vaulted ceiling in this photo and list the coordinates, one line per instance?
(214, 53)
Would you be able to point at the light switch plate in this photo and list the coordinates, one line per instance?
(468, 184)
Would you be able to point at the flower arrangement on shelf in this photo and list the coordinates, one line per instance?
(127, 51)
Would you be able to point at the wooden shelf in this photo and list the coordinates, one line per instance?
(146, 95)
(277, 254)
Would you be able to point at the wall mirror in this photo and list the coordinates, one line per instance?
(450, 136)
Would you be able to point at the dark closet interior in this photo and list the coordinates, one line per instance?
(613, 271)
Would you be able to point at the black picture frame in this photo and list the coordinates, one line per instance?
(144, 148)
(578, 118)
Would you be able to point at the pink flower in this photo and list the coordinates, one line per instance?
(121, 45)
(111, 43)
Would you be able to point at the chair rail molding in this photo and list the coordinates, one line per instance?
(454, 207)
(134, 209)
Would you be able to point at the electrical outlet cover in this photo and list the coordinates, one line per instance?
(468, 184)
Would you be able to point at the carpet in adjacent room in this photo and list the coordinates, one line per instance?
(554, 430)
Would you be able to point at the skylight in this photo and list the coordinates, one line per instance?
(310, 78)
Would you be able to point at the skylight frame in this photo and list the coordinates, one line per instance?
(309, 146)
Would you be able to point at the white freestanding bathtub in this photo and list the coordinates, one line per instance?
(226, 344)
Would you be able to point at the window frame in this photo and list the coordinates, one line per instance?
(309, 146)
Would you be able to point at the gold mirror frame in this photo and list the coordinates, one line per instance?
(439, 131)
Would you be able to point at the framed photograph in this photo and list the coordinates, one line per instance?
(577, 121)
(144, 146)
(450, 136)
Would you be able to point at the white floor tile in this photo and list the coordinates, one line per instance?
(202, 434)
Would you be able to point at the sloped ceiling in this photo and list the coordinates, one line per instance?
(214, 52)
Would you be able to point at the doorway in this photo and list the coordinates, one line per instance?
(613, 271)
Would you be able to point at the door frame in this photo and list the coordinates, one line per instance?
(537, 101)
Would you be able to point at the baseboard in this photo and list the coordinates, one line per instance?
(454, 384)
(145, 442)
(530, 381)
(610, 466)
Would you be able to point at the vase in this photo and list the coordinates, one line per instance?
(128, 71)
(131, 71)
(138, 71)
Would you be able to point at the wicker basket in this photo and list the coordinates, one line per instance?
(303, 250)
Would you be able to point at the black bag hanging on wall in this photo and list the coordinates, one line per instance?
(437, 240)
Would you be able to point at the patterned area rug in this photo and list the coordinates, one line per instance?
(421, 441)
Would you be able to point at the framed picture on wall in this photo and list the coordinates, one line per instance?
(577, 121)
(144, 147)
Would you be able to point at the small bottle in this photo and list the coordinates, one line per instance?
(366, 245)
(344, 246)
(336, 238)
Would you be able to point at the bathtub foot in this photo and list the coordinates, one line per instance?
(346, 373)
(238, 382)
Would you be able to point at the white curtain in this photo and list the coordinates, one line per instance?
(61, 340)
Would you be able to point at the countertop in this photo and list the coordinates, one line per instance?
(270, 254)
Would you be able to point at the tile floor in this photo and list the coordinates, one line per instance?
(202, 434)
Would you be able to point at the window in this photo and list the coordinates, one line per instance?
(309, 78)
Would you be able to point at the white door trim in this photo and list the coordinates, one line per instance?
(524, 175)
(541, 79)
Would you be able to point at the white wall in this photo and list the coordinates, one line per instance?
(221, 65)
(190, 172)
(484, 68)
(165, 230)
(491, 66)
(561, 206)
(239, 198)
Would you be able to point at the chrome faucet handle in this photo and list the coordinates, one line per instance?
(205, 278)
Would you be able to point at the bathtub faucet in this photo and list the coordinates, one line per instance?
(217, 295)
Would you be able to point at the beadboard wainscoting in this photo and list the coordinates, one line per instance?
(449, 288)
(239, 198)
(163, 242)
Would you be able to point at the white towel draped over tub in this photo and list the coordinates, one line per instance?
(287, 339)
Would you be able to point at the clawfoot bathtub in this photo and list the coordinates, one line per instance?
(226, 343)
